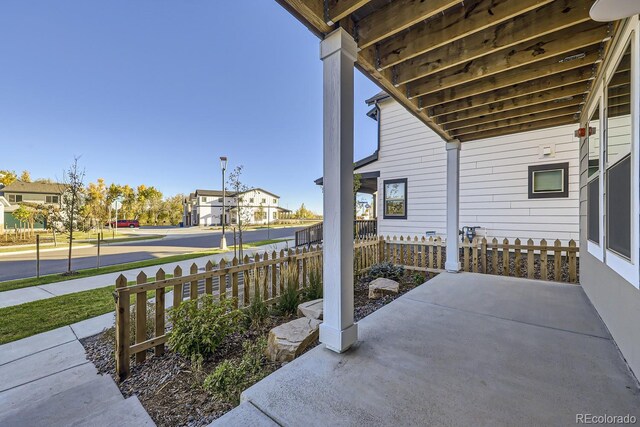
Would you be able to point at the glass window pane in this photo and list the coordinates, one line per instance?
(619, 207)
(619, 111)
(394, 198)
(594, 142)
(547, 181)
(395, 191)
(593, 210)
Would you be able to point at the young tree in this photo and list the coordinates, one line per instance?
(25, 176)
(72, 199)
(243, 213)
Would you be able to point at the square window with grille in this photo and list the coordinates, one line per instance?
(549, 181)
(395, 198)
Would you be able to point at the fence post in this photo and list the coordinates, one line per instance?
(193, 289)
(234, 282)
(222, 280)
(439, 252)
(543, 260)
(494, 255)
(483, 255)
(141, 317)
(123, 340)
(159, 324)
(274, 276)
(37, 256)
(380, 249)
(474, 245)
(571, 258)
(465, 253)
(530, 259)
(506, 258)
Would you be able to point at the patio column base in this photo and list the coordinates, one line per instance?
(452, 267)
(338, 341)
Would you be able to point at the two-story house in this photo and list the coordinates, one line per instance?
(256, 206)
(33, 193)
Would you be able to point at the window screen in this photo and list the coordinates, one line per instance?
(593, 210)
(619, 207)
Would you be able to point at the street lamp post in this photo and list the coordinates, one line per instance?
(223, 240)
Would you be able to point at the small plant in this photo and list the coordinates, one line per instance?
(200, 325)
(231, 377)
(418, 279)
(289, 299)
(386, 270)
(314, 288)
(258, 311)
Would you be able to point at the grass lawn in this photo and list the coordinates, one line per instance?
(54, 278)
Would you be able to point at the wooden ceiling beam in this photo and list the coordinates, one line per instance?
(565, 92)
(525, 127)
(457, 23)
(554, 46)
(339, 9)
(397, 16)
(508, 78)
(560, 112)
(553, 17)
(516, 112)
(310, 12)
(521, 89)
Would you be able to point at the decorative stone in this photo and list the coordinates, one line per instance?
(289, 340)
(381, 286)
(311, 309)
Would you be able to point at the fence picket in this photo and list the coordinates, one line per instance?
(505, 258)
(160, 314)
(193, 291)
(177, 288)
(439, 252)
(141, 317)
(208, 282)
(222, 280)
(557, 260)
(543, 260)
(530, 259)
(571, 259)
(517, 258)
(483, 255)
(474, 245)
(123, 316)
(494, 255)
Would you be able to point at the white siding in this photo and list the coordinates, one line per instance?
(493, 183)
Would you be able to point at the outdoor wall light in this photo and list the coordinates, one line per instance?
(613, 10)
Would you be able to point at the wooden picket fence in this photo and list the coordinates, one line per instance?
(265, 274)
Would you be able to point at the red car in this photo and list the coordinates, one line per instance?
(125, 223)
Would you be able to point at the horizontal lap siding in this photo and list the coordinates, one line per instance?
(493, 180)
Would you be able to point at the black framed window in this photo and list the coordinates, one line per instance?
(593, 210)
(549, 181)
(395, 198)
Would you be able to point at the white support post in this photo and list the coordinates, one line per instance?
(452, 263)
(338, 52)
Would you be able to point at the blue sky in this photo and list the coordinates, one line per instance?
(155, 91)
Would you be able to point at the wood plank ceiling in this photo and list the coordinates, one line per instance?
(476, 68)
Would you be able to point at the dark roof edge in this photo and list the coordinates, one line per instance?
(377, 97)
(363, 175)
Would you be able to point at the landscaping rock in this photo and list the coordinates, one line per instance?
(382, 286)
(289, 340)
(311, 309)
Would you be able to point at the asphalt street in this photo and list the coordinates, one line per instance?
(55, 261)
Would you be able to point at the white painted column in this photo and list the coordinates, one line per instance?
(452, 263)
(338, 53)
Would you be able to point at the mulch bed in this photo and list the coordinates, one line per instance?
(170, 389)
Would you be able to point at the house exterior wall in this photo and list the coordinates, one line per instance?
(493, 180)
(613, 291)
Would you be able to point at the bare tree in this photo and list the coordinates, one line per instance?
(71, 201)
(242, 211)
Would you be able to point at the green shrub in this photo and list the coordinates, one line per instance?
(200, 325)
(289, 299)
(418, 279)
(314, 287)
(386, 270)
(232, 377)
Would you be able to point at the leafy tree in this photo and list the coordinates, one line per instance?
(72, 202)
(96, 203)
(7, 177)
(242, 212)
(303, 213)
(25, 176)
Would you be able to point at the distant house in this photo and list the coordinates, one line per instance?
(35, 193)
(257, 206)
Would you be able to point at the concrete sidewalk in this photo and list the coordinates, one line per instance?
(34, 293)
(47, 381)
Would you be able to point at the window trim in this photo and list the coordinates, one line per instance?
(384, 198)
(564, 193)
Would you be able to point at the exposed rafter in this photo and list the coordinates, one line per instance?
(338, 9)
(397, 16)
(525, 127)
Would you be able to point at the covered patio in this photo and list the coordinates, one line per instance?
(462, 349)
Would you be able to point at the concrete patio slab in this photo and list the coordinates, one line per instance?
(245, 415)
(34, 344)
(554, 305)
(93, 326)
(422, 363)
(129, 412)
